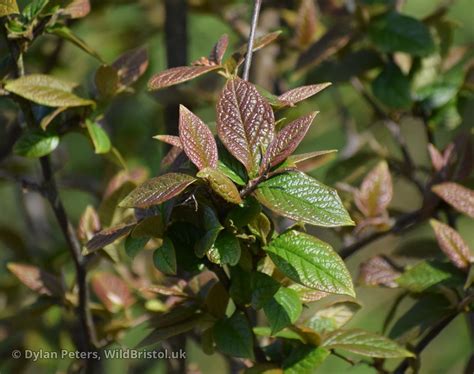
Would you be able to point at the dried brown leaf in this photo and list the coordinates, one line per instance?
(459, 197)
(245, 122)
(197, 140)
(452, 244)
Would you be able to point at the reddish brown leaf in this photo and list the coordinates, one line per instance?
(197, 140)
(77, 9)
(157, 190)
(170, 139)
(298, 94)
(459, 197)
(330, 43)
(377, 271)
(131, 65)
(89, 224)
(286, 141)
(108, 236)
(452, 244)
(238, 57)
(136, 176)
(375, 192)
(219, 49)
(36, 279)
(173, 155)
(437, 159)
(245, 122)
(177, 75)
(306, 23)
(112, 291)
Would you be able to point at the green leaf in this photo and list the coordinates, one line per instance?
(134, 245)
(99, 137)
(8, 7)
(67, 34)
(240, 285)
(34, 8)
(221, 185)
(333, 317)
(226, 249)
(212, 226)
(283, 309)
(46, 90)
(304, 359)
(36, 143)
(157, 190)
(365, 343)
(230, 166)
(164, 257)
(394, 32)
(428, 274)
(298, 196)
(392, 88)
(233, 336)
(106, 80)
(243, 214)
(263, 288)
(184, 236)
(310, 262)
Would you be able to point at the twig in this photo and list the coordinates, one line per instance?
(394, 129)
(401, 223)
(50, 190)
(253, 28)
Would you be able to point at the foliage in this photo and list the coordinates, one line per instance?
(238, 241)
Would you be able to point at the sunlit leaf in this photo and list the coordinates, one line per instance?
(307, 162)
(375, 192)
(164, 257)
(170, 139)
(46, 90)
(305, 359)
(459, 197)
(177, 75)
(283, 309)
(233, 336)
(245, 122)
(36, 143)
(310, 262)
(197, 140)
(220, 184)
(302, 198)
(377, 271)
(108, 236)
(157, 190)
(8, 7)
(286, 141)
(37, 280)
(298, 94)
(99, 137)
(365, 343)
(452, 244)
(333, 316)
(77, 9)
(395, 32)
(112, 291)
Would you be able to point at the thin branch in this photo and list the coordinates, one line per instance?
(50, 191)
(253, 28)
(401, 223)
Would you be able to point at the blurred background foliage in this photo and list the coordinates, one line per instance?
(438, 91)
